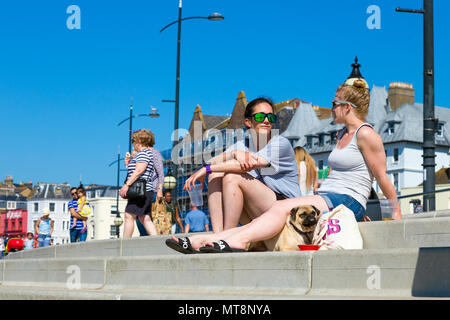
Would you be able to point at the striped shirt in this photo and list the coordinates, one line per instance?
(149, 175)
(73, 204)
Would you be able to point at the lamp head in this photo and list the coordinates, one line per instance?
(216, 16)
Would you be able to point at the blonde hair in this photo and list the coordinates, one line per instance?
(311, 171)
(358, 94)
(144, 137)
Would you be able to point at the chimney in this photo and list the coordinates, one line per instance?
(400, 93)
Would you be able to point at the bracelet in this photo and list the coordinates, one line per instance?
(208, 169)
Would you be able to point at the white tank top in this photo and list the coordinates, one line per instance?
(350, 174)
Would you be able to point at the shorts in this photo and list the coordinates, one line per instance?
(334, 199)
(140, 207)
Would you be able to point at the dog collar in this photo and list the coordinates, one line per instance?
(300, 231)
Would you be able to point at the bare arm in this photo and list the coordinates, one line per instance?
(140, 169)
(177, 217)
(371, 146)
(36, 230)
(187, 229)
(76, 215)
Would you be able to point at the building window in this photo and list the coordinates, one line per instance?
(391, 128)
(36, 207)
(395, 155)
(64, 207)
(321, 140)
(11, 205)
(333, 137)
(114, 209)
(113, 232)
(440, 130)
(52, 207)
(309, 141)
(396, 182)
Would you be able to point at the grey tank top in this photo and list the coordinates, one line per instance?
(350, 174)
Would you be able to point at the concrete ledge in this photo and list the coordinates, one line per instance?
(72, 273)
(412, 272)
(411, 233)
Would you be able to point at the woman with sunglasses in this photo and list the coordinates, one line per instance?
(357, 158)
(250, 176)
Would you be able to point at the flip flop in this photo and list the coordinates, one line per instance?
(183, 245)
(220, 247)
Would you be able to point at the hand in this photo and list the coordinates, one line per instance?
(199, 175)
(159, 195)
(398, 213)
(127, 161)
(247, 160)
(123, 191)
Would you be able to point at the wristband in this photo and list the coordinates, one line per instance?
(208, 169)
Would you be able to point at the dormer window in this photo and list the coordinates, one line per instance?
(391, 128)
(321, 140)
(440, 129)
(309, 141)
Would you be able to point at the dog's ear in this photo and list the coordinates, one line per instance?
(316, 210)
(294, 212)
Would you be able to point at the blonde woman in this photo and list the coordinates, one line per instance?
(357, 158)
(307, 172)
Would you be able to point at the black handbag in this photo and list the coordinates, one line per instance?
(137, 190)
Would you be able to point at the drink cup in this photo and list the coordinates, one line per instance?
(388, 208)
(196, 195)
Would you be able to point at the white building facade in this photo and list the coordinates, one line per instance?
(55, 197)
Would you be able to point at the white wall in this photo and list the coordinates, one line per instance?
(60, 216)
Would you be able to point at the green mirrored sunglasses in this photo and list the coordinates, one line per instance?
(260, 116)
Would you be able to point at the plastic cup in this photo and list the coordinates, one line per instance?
(388, 208)
(196, 195)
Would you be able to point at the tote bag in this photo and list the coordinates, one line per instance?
(338, 229)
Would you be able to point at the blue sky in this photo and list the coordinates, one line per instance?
(63, 92)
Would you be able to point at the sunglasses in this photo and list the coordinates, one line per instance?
(336, 103)
(261, 116)
(73, 193)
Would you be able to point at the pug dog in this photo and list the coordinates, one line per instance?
(298, 229)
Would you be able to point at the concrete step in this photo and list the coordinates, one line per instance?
(368, 273)
(407, 233)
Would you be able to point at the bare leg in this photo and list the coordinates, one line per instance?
(215, 201)
(128, 227)
(148, 224)
(243, 191)
(271, 222)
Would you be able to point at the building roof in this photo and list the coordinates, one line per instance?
(53, 191)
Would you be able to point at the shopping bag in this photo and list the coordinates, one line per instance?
(162, 219)
(338, 229)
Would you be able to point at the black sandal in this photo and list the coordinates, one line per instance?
(220, 247)
(183, 245)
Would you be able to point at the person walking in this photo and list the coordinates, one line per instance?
(173, 209)
(196, 221)
(250, 176)
(44, 228)
(76, 230)
(142, 166)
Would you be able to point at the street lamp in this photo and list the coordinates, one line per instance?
(213, 17)
(429, 121)
(153, 114)
(118, 219)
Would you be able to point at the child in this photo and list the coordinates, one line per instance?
(84, 209)
(30, 243)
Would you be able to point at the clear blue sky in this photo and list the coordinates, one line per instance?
(63, 92)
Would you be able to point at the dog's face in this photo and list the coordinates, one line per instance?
(305, 218)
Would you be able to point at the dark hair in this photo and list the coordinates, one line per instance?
(30, 233)
(252, 104)
(82, 190)
(73, 188)
(166, 191)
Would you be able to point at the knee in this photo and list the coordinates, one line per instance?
(215, 176)
(233, 178)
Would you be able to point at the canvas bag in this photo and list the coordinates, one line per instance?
(338, 229)
(162, 219)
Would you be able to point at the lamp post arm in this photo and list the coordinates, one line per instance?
(188, 18)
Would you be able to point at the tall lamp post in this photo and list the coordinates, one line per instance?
(212, 17)
(118, 221)
(153, 114)
(429, 121)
